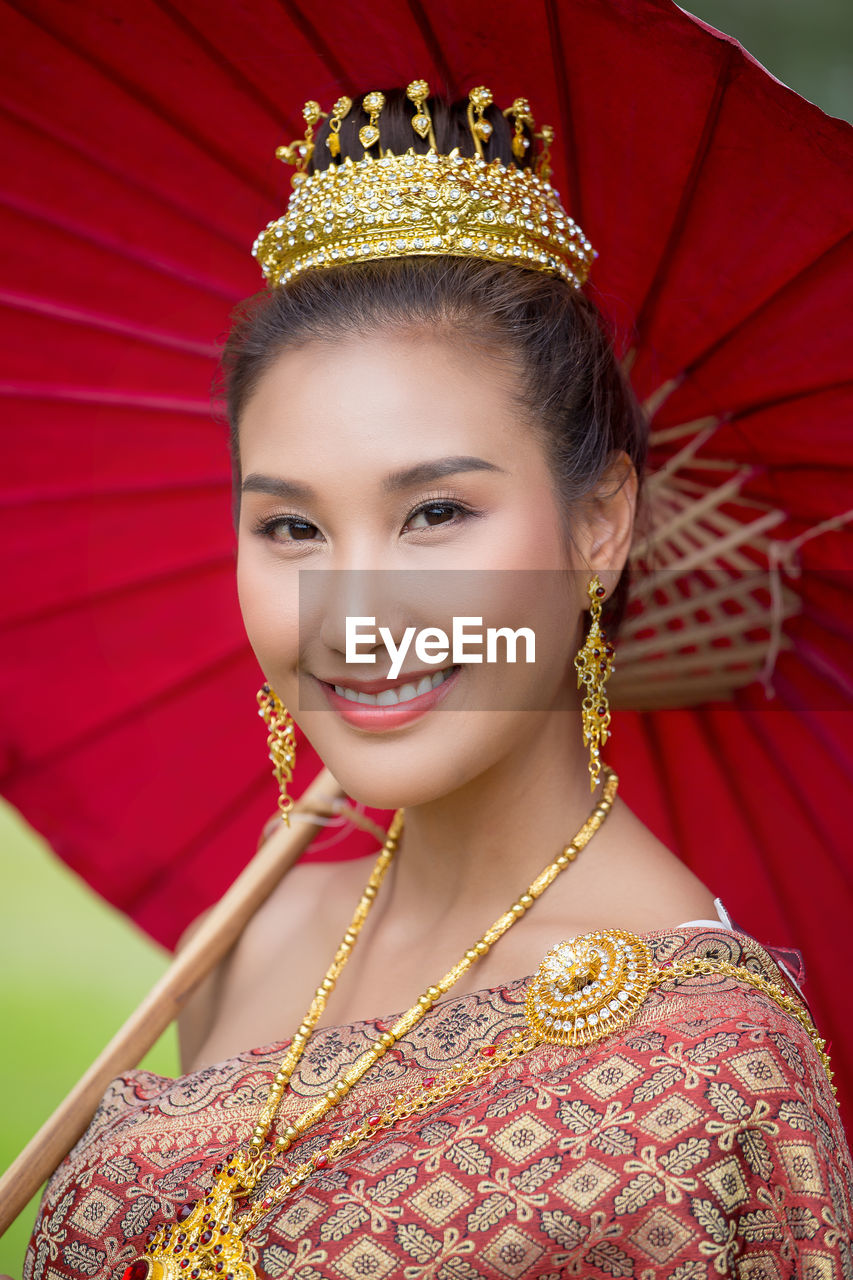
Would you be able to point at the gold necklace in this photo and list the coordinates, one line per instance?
(206, 1243)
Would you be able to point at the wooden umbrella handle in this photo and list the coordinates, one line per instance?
(214, 937)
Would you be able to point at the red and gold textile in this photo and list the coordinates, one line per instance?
(702, 1140)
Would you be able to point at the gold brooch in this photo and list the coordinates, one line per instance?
(589, 987)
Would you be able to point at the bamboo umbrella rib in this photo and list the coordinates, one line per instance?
(741, 590)
(712, 464)
(706, 428)
(216, 935)
(705, 554)
(688, 487)
(665, 435)
(661, 394)
(663, 576)
(681, 488)
(698, 631)
(696, 489)
(727, 525)
(713, 498)
(683, 496)
(712, 546)
(663, 579)
(701, 633)
(724, 660)
(676, 694)
(719, 523)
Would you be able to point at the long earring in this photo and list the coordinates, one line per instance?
(594, 665)
(282, 744)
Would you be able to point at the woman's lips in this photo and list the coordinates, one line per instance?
(366, 716)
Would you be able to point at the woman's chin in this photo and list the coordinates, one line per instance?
(394, 791)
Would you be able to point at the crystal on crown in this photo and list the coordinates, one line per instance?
(415, 204)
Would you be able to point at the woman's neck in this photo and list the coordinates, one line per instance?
(483, 843)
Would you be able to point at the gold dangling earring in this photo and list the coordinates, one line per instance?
(594, 665)
(282, 744)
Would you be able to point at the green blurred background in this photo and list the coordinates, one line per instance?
(73, 969)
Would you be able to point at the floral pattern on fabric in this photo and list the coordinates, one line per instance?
(700, 1141)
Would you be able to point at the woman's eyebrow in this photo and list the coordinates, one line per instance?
(420, 473)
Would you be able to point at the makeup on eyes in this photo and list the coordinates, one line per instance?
(264, 526)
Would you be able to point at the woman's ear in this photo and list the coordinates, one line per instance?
(606, 529)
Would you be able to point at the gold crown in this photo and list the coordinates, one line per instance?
(402, 205)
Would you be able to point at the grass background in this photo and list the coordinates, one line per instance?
(71, 968)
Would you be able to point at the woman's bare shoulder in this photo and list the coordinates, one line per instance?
(633, 880)
(310, 905)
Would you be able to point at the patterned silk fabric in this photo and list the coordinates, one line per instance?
(701, 1141)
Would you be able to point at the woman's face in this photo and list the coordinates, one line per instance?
(398, 473)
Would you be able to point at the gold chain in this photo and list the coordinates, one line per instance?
(479, 1065)
(698, 966)
(321, 996)
(209, 1227)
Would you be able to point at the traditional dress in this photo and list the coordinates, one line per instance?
(701, 1140)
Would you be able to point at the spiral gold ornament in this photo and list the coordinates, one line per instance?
(589, 987)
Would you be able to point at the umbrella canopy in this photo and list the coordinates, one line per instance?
(139, 169)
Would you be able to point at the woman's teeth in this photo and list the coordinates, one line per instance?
(403, 692)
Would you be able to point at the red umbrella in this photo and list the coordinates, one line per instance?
(139, 169)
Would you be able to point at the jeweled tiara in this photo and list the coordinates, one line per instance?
(400, 205)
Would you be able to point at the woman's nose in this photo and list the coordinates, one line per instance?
(333, 603)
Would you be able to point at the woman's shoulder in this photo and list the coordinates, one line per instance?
(294, 931)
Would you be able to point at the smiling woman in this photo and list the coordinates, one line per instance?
(428, 422)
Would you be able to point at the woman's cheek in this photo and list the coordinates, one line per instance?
(269, 603)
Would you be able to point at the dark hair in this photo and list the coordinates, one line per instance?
(570, 384)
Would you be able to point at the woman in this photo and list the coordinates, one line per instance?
(652, 1101)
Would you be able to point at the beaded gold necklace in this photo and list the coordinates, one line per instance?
(207, 1241)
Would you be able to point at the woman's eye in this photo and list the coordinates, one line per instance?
(434, 513)
(295, 530)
